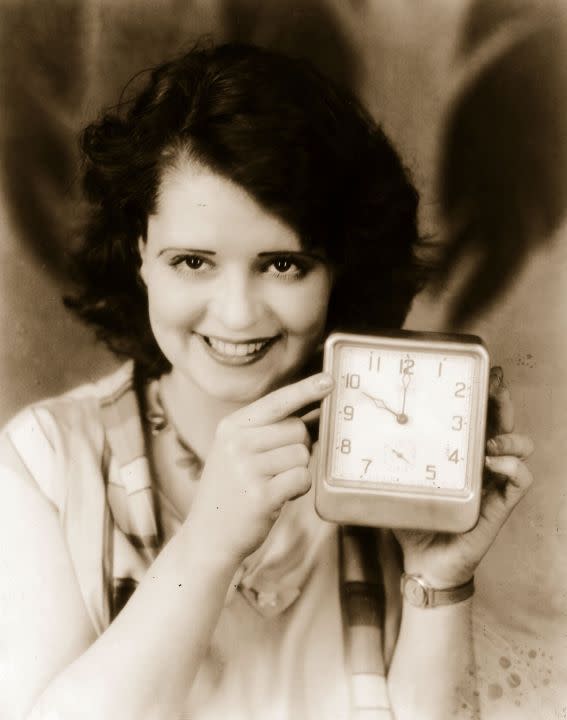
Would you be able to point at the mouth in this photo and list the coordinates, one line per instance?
(237, 353)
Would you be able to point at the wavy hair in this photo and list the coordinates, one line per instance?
(302, 147)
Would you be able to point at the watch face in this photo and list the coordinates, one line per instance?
(414, 592)
(402, 416)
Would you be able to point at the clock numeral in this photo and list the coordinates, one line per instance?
(348, 412)
(374, 362)
(406, 366)
(368, 462)
(440, 371)
(352, 381)
(454, 456)
(430, 472)
(460, 390)
(345, 446)
(457, 423)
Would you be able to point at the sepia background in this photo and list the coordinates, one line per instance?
(62, 60)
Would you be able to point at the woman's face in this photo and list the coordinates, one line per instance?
(235, 304)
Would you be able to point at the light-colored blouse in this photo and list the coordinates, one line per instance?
(278, 651)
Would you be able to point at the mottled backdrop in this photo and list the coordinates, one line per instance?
(62, 59)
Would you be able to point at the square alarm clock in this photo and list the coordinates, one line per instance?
(402, 436)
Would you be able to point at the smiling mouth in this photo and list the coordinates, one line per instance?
(238, 353)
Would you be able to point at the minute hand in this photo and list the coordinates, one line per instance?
(402, 417)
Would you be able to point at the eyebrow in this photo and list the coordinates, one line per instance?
(265, 254)
(292, 253)
(192, 251)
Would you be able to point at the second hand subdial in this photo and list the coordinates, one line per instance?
(398, 454)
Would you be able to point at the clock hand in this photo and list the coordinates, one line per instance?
(399, 454)
(380, 404)
(402, 418)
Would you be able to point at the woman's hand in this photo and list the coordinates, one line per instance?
(257, 462)
(447, 560)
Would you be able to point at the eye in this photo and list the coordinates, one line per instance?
(286, 267)
(282, 265)
(194, 262)
(190, 264)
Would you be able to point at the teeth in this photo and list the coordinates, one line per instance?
(238, 349)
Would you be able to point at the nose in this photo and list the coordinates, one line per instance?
(236, 304)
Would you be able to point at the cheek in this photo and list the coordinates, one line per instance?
(170, 304)
(304, 312)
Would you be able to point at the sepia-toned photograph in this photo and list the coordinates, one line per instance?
(283, 360)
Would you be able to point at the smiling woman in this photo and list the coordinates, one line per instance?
(304, 153)
(160, 523)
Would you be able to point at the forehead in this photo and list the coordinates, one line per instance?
(197, 207)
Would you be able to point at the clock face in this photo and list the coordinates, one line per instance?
(401, 417)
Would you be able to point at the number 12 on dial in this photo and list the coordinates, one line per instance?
(402, 434)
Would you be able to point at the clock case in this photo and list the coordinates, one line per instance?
(414, 507)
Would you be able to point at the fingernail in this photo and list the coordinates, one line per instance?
(496, 376)
(492, 445)
(489, 461)
(324, 381)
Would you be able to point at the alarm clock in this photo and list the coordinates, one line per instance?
(402, 436)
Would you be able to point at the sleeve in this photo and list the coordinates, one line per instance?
(57, 447)
(27, 448)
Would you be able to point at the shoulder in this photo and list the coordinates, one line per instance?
(70, 411)
(57, 430)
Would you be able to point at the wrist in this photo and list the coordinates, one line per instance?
(439, 578)
(199, 537)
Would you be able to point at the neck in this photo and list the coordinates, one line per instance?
(194, 413)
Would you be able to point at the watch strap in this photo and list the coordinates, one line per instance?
(431, 597)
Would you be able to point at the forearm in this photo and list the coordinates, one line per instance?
(143, 665)
(432, 675)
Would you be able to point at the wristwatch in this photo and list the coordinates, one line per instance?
(418, 593)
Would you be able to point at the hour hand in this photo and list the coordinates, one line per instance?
(380, 403)
(400, 417)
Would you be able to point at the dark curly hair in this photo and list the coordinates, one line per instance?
(302, 147)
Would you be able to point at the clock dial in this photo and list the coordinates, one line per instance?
(402, 418)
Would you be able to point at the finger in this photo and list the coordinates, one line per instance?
(285, 458)
(289, 485)
(515, 444)
(492, 482)
(290, 431)
(281, 403)
(312, 416)
(513, 471)
(500, 406)
(495, 379)
(499, 501)
(311, 420)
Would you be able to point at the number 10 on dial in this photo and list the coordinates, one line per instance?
(402, 435)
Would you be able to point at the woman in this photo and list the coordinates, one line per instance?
(242, 207)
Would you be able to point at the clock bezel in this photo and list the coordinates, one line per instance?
(411, 506)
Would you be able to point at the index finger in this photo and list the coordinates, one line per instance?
(284, 401)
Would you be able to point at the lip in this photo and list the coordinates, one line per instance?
(239, 341)
(237, 360)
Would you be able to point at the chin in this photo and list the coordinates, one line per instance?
(240, 391)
